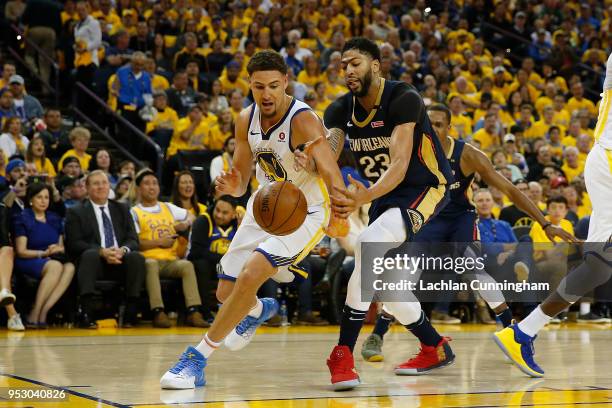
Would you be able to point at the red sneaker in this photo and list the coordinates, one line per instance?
(429, 358)
(342, 368)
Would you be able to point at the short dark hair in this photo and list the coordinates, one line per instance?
(34, 189)
(228, 199)
(267, 60)
(557, 199)
(364, 46)
(441, 108)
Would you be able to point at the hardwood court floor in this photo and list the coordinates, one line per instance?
(285, 368)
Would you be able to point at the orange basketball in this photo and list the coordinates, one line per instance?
(279, 208)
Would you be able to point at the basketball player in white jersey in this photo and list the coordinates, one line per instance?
(268, 132)
(516, 341)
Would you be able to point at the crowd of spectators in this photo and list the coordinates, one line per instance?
(522, 80)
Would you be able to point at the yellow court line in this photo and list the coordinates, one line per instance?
(23, 385)
(194, 331)
(537, 398)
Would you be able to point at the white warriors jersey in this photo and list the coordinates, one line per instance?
(274, 155)
(603, 130)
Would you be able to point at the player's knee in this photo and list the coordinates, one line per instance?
(248, 281)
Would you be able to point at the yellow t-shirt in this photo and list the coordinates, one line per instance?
(165, 120)
(308, 80)
(542, 102)
(562, 118)
(210, 119)
(45, 168)
(573, 105)
(228, 86)
(485, 139)
(333, 91)
(572, 173)
(461, 127)
(153, 225)
(216, 138)
(84, 160)
(539, 237)
(540, 129)
(537, 234)
(198, 139)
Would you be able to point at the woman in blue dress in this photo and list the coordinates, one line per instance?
(40, 252)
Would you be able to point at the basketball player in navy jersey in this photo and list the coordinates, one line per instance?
(397, 151)
(457, 221)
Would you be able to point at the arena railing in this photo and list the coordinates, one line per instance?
(55, 88)
(100, 105)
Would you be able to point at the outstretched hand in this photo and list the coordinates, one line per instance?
(345, 201)
(228, 183)
(303, 156)
(553, 231)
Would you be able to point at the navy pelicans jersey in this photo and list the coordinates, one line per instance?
(456, 222)
(461, 188)
(274, 155)
(422, 192)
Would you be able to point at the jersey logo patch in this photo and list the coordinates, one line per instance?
(378, 123)
(281, 136)
(270, 163)
(349, 124)
(254, 133)
(416, 219)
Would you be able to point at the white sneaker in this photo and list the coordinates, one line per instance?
(245, 330)
(6, 297)
(14, 323)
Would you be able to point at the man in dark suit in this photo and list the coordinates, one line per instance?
(101, 238)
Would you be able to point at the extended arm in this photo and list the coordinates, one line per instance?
(307, 127)
(477, 161)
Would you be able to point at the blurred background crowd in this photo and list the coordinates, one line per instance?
(117, 116)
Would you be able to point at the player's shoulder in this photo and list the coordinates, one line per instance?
(336, 113)
(245, 117)
(400, 88)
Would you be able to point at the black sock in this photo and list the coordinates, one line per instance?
(505, 317)
(352, 320)
(382, 324)
(424, 331)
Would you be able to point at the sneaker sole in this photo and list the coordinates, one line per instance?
(346, 385)
(375, 358)
(526, 371)
(412, 371)
(167, 386)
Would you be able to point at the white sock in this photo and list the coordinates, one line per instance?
(585, 308)
(533, 323)
(207, 346)
(256, 310)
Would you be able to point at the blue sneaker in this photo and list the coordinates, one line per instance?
(244, 332)
(518, 346)
(187, 373)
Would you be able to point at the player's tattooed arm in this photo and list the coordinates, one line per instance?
(303, 153)
(336, 140)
